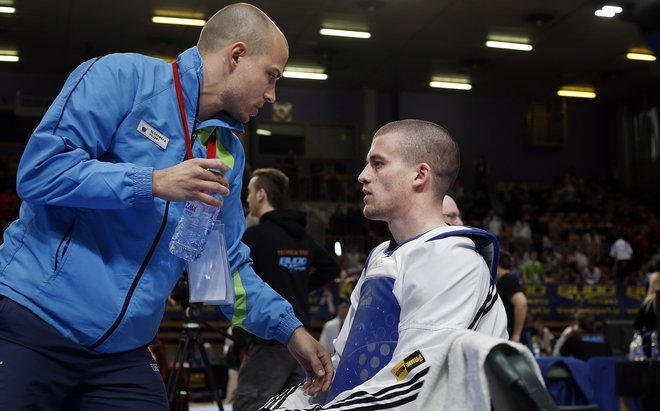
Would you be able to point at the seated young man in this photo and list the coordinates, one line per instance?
(429, 281)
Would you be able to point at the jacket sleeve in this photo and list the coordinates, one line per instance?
(324, 266)
(62, 163)
(257, 308)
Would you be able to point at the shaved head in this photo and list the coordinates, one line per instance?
(238, 22)
(425, 142)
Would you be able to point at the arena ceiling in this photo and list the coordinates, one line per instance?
(411, 41)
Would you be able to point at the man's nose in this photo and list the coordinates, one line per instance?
(270, 95)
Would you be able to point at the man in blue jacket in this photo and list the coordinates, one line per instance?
(85, 271)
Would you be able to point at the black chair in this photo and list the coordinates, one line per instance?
(513, 384)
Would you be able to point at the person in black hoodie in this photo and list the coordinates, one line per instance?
(287, 258)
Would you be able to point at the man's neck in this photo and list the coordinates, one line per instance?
(265, 209)
(404, 229)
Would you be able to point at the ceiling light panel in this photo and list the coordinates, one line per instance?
(577, 91)
(508, 45)
(178, 21)
(305, 73)
(345, 33)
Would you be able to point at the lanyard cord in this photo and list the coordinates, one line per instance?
(210, 151)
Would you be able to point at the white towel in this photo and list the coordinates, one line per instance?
(458, 382)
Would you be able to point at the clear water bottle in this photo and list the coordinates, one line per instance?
(193, 229)
(655, 354)
(637, 347)
(536, 348)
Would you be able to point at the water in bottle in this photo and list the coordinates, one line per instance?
(193, 230)
(536, 348)
(655, 354)
(637, 347)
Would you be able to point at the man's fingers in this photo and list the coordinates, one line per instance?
(325, 375)
(211, 164)
(210, 200)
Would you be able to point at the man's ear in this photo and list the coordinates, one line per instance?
(423, 176)
(238, 50)
(261, 194)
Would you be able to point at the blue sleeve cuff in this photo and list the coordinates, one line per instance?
(286, 328)
(142, 184)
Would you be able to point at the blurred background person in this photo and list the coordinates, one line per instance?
(513, 297)
(587, 340)
(287, 258)
(331, 328)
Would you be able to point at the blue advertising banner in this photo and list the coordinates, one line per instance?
(558, 302)
(552, 302)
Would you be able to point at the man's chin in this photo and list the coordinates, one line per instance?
(369, 213)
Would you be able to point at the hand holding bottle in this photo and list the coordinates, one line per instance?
(193, 179)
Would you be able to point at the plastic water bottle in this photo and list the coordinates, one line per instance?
(655, 354)
(637, 347)
(193, 229)
(536, 349)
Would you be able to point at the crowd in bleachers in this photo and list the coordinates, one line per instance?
(572, 230)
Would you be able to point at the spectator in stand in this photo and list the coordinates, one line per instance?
(493, 223)
(532, 269)
(516, 268)
(522, 231)
(591, 274)
(621, 251)
(580, 259)
(513, 297)
(331, 328)
(587, 340)
(570, 329)
(537, 333)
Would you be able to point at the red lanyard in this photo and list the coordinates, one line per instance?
(210, 150)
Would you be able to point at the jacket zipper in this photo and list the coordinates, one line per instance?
(136, 280)
(143, 267)
(66, 240)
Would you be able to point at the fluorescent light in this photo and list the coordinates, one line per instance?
(178, 20)
(346, 33)
(604, 13)
(451, 85)
(337, 248)
(640, 56)
(264, 132)
(508, 45)
(10, 56)
(613, 9)
(305, 73)
(608, 11)
(7, 10)
(305, 76)
(579, 92)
